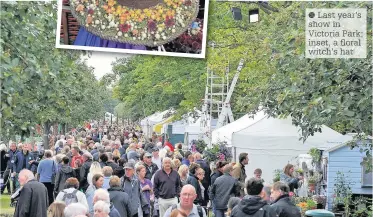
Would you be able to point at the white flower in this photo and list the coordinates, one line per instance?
(152, 32)
(126, 35)
(99, 13)
(116, 36)
(112, 24)
(134, 38)
(117, 29)
(120, 34)
(103, 27)
(173, 30)
(164, 37)
(162, 34)
(97, 22)
(155, 43)
(157, 36)
(93, 16)
(182, 25)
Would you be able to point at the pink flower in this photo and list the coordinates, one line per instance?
(124, 27)
(169, 21)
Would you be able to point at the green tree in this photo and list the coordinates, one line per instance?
(41, 84)
(151, 83)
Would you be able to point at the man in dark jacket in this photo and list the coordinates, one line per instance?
(63, 174)
(22, 160)
(118, 197)
(8, 158)
(193, 180)
(224, 188)
(252, 204)
(131, 185)
(84, 170)
(150, 167)
(282, 203)
(33, 199)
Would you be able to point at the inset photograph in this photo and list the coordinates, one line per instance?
(158, 27)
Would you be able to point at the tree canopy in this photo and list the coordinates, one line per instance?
(41, 84)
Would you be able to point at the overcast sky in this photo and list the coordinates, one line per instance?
(101, 61)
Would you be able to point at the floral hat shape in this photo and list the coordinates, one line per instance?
(139, 22)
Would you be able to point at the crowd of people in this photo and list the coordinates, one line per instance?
(117, 172)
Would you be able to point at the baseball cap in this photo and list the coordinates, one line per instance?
(129, 165)
(147, 154)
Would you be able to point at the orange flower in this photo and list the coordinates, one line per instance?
(89, 20)
(80, 7)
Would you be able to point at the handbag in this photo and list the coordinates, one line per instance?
(53, 174)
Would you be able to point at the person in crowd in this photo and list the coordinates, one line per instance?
(22, 160)
(175, 164)
(288, 177)
(33, 199)
(282, 204)
(206, 182)
(266, 194)
(102, 209)
(218, 171)
(131, 185)
(252, 204)
(100, 151)
(118, 197)
(56, 209)
(178, 213)
(183, 173)
(75, 209)
(132, 154)
(97, 182)
(58, 160)
(200, 174)
(239, 171)
(166, 186)
(186, 205)
(46, 172)
(179, 149)
(84, 170)
(71, 193)
(224, 188)
(156, 159)
(103, 195)
(233, 202)
(258, 174)
(188, 158)
(107, 172)
(119, 171)
(95, 169)
(146, 187)
(168, 144)
(193, 180)
(117, 146)
(110, 161)
(150, 167)
(8, 161)
(65, 172)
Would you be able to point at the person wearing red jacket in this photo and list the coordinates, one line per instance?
(168, 144)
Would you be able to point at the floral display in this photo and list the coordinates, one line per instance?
(151, 26)
(191, 40)
(218, 152)
(307, 205)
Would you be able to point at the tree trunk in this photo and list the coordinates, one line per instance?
(45, 135)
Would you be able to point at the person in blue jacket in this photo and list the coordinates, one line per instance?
(22, 160)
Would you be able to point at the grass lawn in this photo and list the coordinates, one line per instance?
(5, 209)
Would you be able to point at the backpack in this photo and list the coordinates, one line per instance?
(69, 198)
(199, 208)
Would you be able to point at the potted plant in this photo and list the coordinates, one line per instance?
(276, 176)
(312, 182)
(306, 205)
(300, 171)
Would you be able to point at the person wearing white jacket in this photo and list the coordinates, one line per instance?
(71, 185)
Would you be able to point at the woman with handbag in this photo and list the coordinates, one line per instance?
(47, 173)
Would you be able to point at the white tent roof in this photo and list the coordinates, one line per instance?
(272, 143)
(224, 134)
(154, 118)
